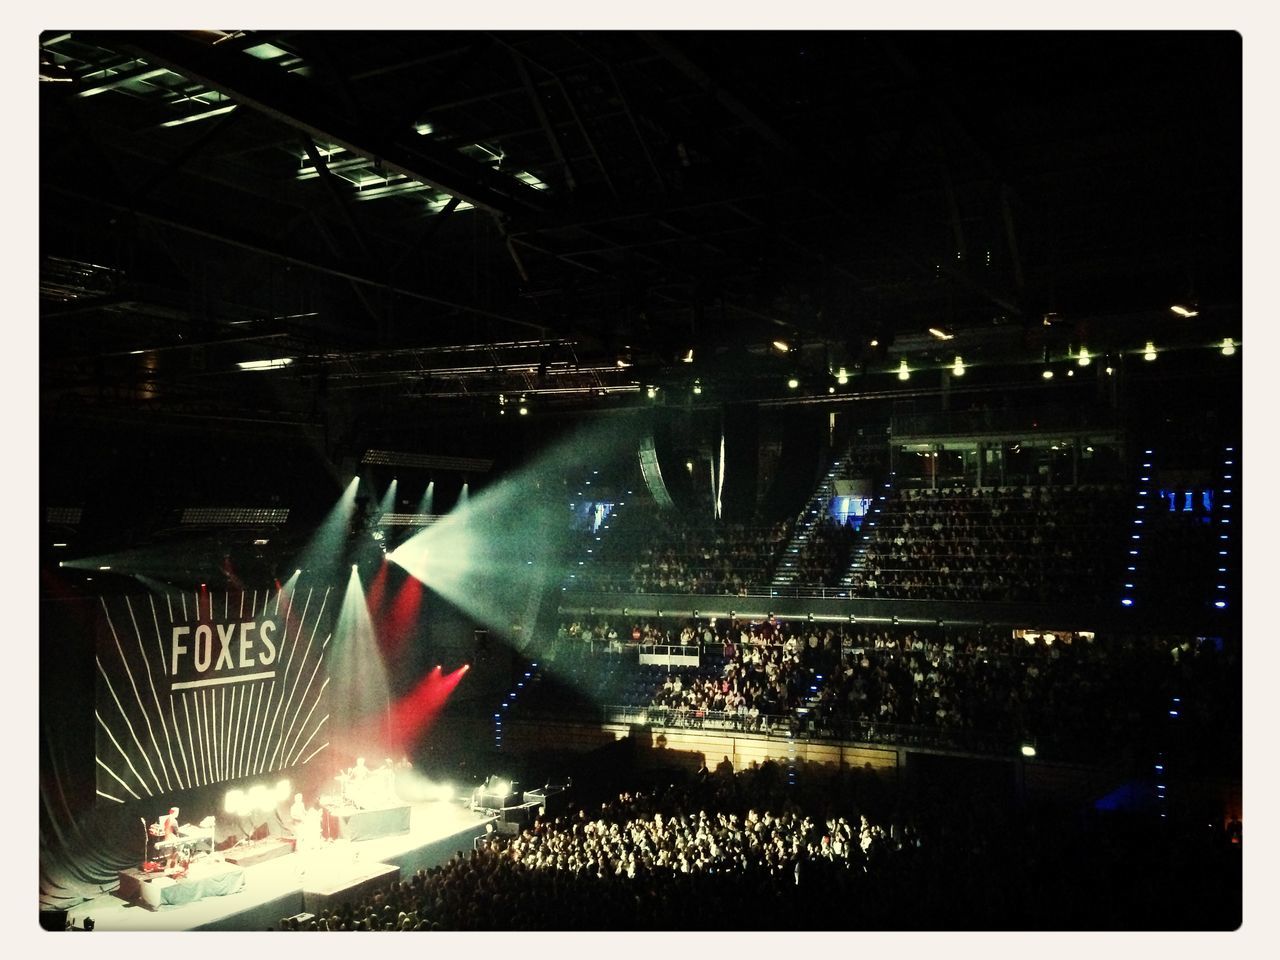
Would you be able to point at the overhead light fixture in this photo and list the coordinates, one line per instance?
(831, 389)
(957, 369)
(524, 411)
(941, 334)
(1047, 373)
(1185, 312)
(275, 364)
(697, 387)
(1150, 352)
(903, 372)
(688, 357)
(874, 343)
(1110, 371)
(651, 392)
(199, 116)
(842, 376)
(793, 383)
(1028, 750)
(1084, 359)
(1228, 346)
(781, 346)
(622, 364)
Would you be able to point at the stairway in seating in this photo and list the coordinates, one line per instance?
(870, 526)
(785, 574)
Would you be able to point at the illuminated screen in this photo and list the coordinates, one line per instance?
(197, 687)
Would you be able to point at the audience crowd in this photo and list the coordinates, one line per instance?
(762, 849)
(1030, 544)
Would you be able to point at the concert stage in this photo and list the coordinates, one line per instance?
(288, 885)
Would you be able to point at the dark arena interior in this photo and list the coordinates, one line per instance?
(578, 480)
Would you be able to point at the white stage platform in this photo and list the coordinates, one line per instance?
(280, 887)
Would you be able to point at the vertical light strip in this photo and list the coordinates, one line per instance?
(298, 676)
(278, 592)
(107, 795)
(313, 736)
(319, 748)
(254, 608)
(173, 714)
(203, 756)
(226, 600)
(132, 732)
(183, 598)
(143, 710)
(169, 601)
(190, 740)
(284, 677)
(253, 730)
(241, 604)
(293, 741)
(219, 698)
(156, 699)
(206, 734)
(118, 780)
(720, 488)
(126, 758)
(241, 734)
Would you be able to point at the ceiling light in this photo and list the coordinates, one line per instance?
(1150, 353)
(275, 364)
(1110, 371)
(697, 387)
(903, 372)
(524, 411)
(1228, 346)
(651, 392)
(688, 357)
(957, 370)
(623, 364)
(831, 389)
(1084, 359)
(1047, 373)
(1187, 312)
(199, 116)
(941, 334)
(781, 346)
(842, 377)
(793, 383)
(874, 343)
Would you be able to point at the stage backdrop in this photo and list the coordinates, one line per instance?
(198, 687)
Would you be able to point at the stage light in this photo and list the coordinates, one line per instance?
(651, 392)
(842, 376)
(275, 364)
(524, 411)
(697, 387)
(1028, 750)
(1110, 371)
(941, 334)
(1047, 373)
(688, 357)
(903, 372)
(1084, 359)
(1185, 312)
(1228, 346)
(1150, 352)
(781, 346)
(793, 383)
(831, 389)
(957, 369)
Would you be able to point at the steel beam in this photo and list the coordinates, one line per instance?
(296, 102)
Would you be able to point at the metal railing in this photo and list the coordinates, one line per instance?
(813, 727)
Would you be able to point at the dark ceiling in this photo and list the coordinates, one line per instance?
(424, 221)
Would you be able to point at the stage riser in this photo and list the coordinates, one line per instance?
(316, 901)
(261, 854)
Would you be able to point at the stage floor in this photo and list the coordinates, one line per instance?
(336, 865)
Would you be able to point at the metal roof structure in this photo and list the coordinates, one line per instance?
(426, 222)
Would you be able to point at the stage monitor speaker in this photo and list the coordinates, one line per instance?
(53, 919)
(506, 829)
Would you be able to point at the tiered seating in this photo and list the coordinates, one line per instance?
(664, 552)
(1023, 544)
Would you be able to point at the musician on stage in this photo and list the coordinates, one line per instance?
(167, 829)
